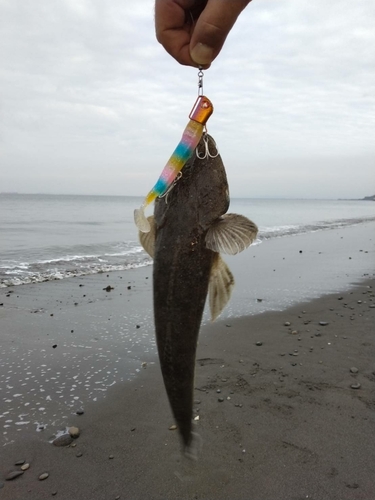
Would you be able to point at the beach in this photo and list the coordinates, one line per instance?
(285, 382)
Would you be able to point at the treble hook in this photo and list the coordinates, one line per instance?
(206, 152)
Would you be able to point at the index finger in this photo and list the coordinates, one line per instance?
(172, 29)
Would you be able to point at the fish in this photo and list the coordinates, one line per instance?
(200, 113)
(188, 231)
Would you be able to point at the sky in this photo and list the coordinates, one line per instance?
(90, 103)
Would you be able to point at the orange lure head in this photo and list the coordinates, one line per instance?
(202, 110)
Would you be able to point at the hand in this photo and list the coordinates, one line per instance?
(194, 31)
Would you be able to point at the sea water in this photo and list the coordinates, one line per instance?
(46, 237)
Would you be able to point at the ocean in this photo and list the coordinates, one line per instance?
(48, 237)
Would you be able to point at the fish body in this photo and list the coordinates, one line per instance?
(191, 136)
(188, 231)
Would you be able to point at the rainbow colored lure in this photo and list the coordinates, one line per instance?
(193, 132)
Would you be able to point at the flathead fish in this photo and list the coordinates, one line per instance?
(188, 232)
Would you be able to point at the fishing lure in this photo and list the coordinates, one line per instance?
(193, 132)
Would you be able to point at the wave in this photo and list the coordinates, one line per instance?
(121, 256)
(266, 233)
(41, 277)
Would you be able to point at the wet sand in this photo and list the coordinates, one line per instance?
(278, 420)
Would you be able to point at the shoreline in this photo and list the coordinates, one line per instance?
(292, 427)
(78, 337)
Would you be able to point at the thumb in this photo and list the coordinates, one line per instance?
(212, 28)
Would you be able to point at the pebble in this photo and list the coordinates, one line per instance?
(25, 466)
(218, 391)
(111, 457)
(43, 476)
(259, 343)
(353, 369)
(54, 493)
(356, 386)
(80, 411)
(13, 475)
(79, 454)
(63, 440)
(287, 323)
(20, 462)
(323, 323)
(294, 332)
(173, 427)
(74, 432)
(220, 400)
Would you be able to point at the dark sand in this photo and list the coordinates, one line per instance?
(292, 429)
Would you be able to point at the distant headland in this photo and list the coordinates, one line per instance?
(365, 198)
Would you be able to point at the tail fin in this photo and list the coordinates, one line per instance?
(193, 449)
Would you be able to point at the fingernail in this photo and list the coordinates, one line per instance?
(202, 54)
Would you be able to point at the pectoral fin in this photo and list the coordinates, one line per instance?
(147, 240)
(220, 286)
(231, 234)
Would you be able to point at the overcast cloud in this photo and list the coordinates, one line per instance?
(91, 103)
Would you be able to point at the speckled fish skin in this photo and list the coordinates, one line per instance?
(182, 266)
